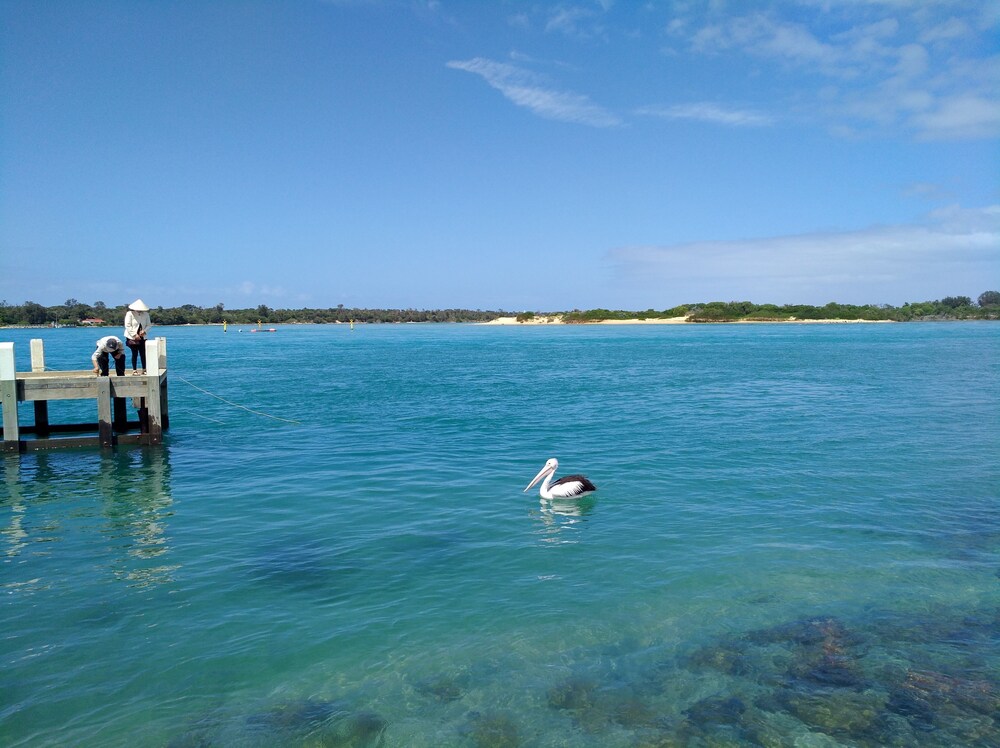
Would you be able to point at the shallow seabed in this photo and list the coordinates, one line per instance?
(796, 542)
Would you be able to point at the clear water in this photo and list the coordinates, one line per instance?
(796, 541)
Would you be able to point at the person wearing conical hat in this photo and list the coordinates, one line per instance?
(137, 325)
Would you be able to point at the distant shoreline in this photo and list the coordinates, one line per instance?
(552, 319)
(557, 319)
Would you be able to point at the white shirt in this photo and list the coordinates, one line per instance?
(133, 320)
(102, 347)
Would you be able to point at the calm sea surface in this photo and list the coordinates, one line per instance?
(795, 542)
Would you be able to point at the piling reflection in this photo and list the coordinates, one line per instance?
(64, 497)
(137, 505)
(14, 534)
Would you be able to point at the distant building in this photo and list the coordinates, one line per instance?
(92, 321)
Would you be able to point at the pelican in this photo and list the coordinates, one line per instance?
(569, 487)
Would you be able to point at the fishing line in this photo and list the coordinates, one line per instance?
(237, 405)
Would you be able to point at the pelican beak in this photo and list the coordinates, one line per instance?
(541, 474)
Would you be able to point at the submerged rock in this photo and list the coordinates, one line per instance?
(729, 657)
(632, 713)
(494, 731)
(828, 670)
(297, 716)
(308, 567)
(573, 694)
(840, 713)
(192, 739)
(819, 653)
(314, 723)
(362, 730)
(443, 688)
(716, 711)
(715, 721)
(592, 710)
(827, 632)
(663, 739)
(931, 701)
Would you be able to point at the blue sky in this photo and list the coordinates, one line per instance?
(499, 155)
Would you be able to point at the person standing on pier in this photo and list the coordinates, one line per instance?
(108, 346)
(137, 324)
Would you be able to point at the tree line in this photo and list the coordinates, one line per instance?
(73, 312)
(987, 306)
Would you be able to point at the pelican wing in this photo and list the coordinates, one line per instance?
(572, 485)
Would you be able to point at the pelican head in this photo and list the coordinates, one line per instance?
(551, 465)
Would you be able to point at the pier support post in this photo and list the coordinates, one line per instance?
(41, 406)
(161, 362)
(8, 399)
(104, 433)
(120, 413)
(154, 413)
(37, 354)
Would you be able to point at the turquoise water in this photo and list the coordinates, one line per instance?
(796, 541)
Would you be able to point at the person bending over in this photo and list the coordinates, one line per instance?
(108, 346)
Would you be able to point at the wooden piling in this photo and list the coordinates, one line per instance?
(153, 403)
(104, 431)
(8, 398)
(41, 406)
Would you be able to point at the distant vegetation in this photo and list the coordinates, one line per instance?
(987, 306)
(74, 313)
(950, 307)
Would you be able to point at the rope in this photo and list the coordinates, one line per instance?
(237, 405)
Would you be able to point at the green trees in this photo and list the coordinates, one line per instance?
(34, 314)
(989, 298)
(954, 302)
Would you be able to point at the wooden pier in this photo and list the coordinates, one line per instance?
(148, 393)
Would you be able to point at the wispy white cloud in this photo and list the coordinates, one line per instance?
(709, 112)
(524, 89)
(926, 191)
(262, 290)
(761, 35)
(960, 117)
(954, 246)
(920, 67)
(950, 30)
(577, 22)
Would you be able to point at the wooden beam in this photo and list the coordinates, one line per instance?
(71, 428)
(37, 445)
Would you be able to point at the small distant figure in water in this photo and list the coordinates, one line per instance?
(137, 324)
(108, 346)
